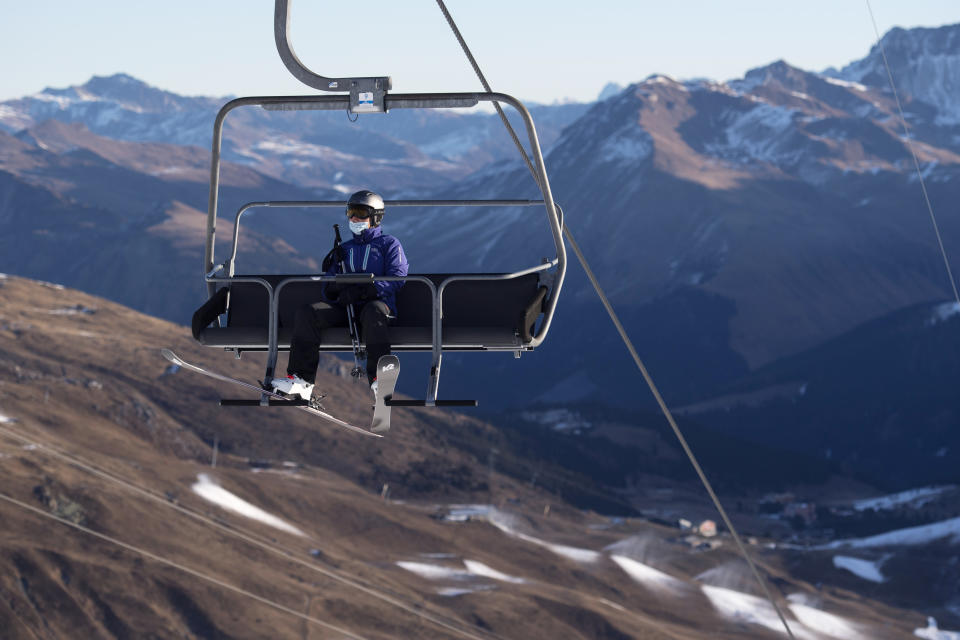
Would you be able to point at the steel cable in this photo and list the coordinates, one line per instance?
(629, 344)
(244, 536)
(181, 567)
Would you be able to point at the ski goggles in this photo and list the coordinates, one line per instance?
(359, 211)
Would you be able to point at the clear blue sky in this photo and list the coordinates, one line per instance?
(538, 50)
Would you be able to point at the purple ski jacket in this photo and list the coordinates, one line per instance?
(378, 253)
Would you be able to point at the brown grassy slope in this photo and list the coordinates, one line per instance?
(121, 444)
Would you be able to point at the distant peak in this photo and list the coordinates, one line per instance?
(117, 77)
(777, 69)
(609, 90)
(776, 73)
(659, 78)
(114, 82)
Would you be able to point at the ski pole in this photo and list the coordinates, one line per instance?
(351, 316)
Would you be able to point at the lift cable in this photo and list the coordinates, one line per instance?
(629, 344)
(250, 538)
(181, 567)
(916, 162)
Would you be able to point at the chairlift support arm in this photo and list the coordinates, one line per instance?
(366, 94)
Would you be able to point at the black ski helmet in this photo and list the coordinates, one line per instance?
(371, 201)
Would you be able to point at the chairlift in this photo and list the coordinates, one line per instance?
(437, 312)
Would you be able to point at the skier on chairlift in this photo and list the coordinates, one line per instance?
(374, 303)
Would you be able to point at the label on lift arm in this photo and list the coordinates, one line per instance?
(365, 103)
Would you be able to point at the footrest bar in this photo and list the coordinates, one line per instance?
(272, 402)
(437, 403)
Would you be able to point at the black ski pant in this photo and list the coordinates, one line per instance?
(311, 319)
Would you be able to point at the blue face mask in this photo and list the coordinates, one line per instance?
(359, 227)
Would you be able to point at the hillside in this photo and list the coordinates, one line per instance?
(880, 400)
(96, 430)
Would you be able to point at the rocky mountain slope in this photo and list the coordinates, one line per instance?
(334, 536)
(759, 218)
(879, 399)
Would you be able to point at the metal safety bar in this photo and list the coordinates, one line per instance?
(307, 204)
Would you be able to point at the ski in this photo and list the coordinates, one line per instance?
(388, 370)
(177, 360)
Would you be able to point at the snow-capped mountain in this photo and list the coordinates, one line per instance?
(118, 107)
(317, 150)
(925, 64)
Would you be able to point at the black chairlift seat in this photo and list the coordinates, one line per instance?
(480, 312)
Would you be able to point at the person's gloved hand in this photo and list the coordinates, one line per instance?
(354, 293)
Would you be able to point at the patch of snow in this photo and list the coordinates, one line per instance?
(913, 497)
(932, 632)
(844, 83)
(557, 419)
(577, 554)
(76, 309)
(943, 312)
(925, 172)
(61, 101)
(861, 568)
(473, 570)
(647, 575)
(433, 571)
(342, 188)
(6, 419)
(171, 170)
(452, 592)
(747, 609)
(295, 148)
(923, 534)
(480, 569)
(661, 79)
(573, 553)
(825, 623)
(465, 512)
(758, 134)
(629, 143)
(209, 490)
(613, 605)
(802, 96)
